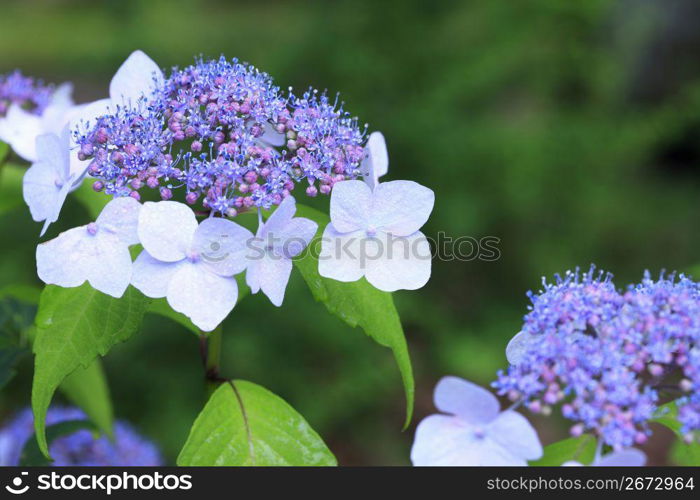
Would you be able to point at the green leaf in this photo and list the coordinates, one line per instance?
(358, 304)
(15, 318)
(9, 357)
(581, 449)
(667, 415)
(88, 389)
(245, 424)
(74, 326)
(685, 454)
(31, 454)
(11, 187)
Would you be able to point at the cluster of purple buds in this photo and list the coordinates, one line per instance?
(30, 94)
(80, 448)
(610, 358)
(222, 132)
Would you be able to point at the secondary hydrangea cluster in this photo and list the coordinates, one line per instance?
(80, 448)
(609, 356)
(29, 93)
(225, 134)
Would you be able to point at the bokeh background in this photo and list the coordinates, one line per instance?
(569, 130)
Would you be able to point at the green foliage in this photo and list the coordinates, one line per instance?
(4, 151)
(87, 388)
(667, 415)
(31, 454)
(11, 187)
(245, 424)
(580, 449)
(74, 326)
(685, 454)
(358, 304)
(15, 318)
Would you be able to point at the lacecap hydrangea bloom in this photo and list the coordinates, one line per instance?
(80, 448)
(609, 358)
(30, 108)
(225, 140)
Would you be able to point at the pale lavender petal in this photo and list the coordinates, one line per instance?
(401, 207)
(20, 129)
(629, 457)
(272, 137)
(136, 77)
(56, 206)
(473, 404)
(514, 432)
(279, 218)
(397, 263)
(517, 347)
(222, 244)
(166, 229)
(121, 216)
(376, 164)
(77, 256)
(273, 276)
(54, 149)
(293, 238)
(351, 204)
(40, 190)
(152, 277)
(340, 257)
(201, 295)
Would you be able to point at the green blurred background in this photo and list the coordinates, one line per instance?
(569, 130)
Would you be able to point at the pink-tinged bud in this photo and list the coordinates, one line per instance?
(243, 187)
(135, 195)
(152, 182)
(276, 199)
(93, 168)
(656, 370)
(219, 137)
(250, 177)
(231, 212)
(248, 202)
(98, 186)
(92, 228)
(190, 131)
(292, 144)
(238, 202)
(289, 185)
(686, 385)
(576, 430)
(131, 149)
(179, 136)
(265, 172)
(196, 146)
(640, 438)
(166, 193)
(136, 184)
(87, 149)
(101, 135)
(535, 407)
(254, 187)
(325, 189)
(191, 198)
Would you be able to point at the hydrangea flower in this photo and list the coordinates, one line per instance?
(29, 108)
(97, 253)
(607, 356)
(224, 133)
(472, 430)
(629, 457)
(375, 233)
(280, 239)
(191, 264)
(80, 448)
(49, 180)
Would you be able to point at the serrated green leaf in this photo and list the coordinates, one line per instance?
(74, 326)
(358, 304)
(580, 449)
(245, 424)
(88, 389)
(31, 454)
(11, 187)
